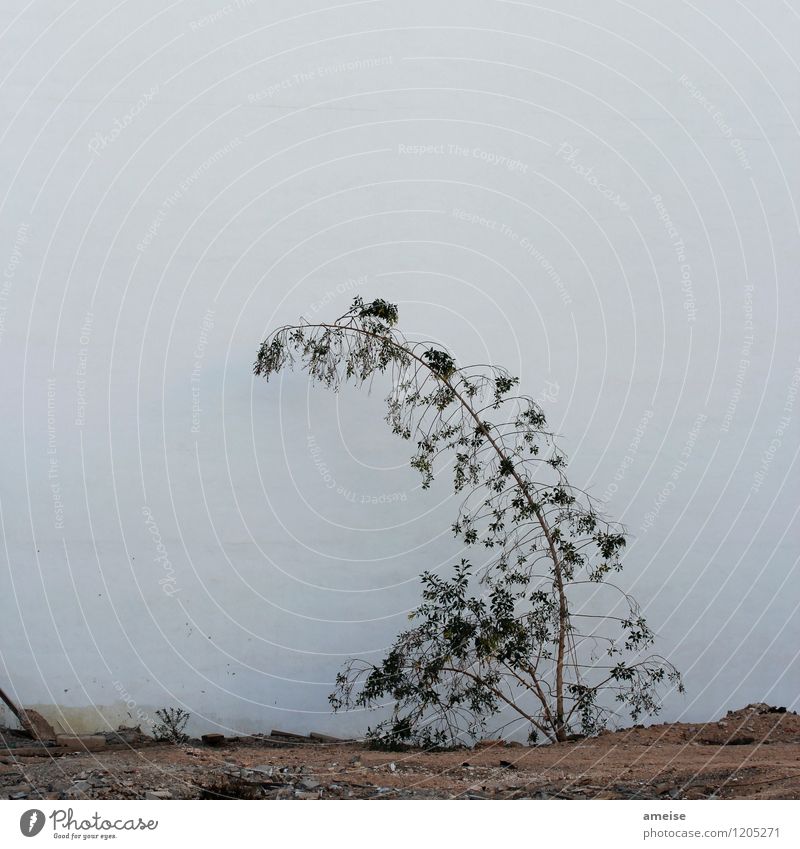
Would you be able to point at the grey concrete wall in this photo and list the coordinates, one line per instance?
(600, 196)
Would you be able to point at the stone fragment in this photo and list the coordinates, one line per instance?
(267, 770)
(36, 725)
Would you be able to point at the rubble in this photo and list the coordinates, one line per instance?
(90, 743)
(128, 736)
(32, 722)
(667, 761)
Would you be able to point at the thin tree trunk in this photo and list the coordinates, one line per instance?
(563, 608)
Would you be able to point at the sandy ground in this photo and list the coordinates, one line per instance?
(752, 753)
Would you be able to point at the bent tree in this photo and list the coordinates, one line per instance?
(511, 631)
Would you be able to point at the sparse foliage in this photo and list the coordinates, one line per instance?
(170, 725)
(499, 635)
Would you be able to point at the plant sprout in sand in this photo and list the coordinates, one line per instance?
(507, 635)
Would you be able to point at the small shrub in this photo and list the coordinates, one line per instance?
(170, 726)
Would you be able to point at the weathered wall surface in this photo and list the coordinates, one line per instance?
(597, 196)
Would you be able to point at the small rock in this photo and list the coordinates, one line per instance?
(489, 743)
(309, 784)
(158, 794)
(214, 740)
(392, 767)
(266, 770)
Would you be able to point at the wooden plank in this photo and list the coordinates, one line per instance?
(290, 735)
(327, 738)
(11, 706)
(80, 743)
(35, 751)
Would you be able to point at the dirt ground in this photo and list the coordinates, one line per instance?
(753, 753)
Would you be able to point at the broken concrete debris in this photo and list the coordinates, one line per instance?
(683, 761)
(76, 742)
(31, 721)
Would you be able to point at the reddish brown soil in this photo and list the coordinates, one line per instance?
(752, 753)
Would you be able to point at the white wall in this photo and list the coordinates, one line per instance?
(175, 185)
